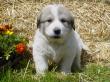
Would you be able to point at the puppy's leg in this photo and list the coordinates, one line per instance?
(76, 65)
(65, 65)
(41, 62)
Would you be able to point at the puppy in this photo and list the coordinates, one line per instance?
(56, 40)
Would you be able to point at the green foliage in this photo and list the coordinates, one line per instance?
(8, 44)
(13, 47)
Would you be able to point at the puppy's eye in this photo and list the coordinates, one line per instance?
(49, 20)
(63, 20)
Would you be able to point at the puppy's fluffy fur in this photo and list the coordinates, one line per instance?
(56, 40)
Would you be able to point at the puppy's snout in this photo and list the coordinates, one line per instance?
(57, 31)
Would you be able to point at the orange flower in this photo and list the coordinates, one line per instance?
(4, 27)
(20, 48)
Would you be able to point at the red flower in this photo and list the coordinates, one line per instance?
(20, 48)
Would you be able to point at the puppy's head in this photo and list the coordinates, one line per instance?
(55, 21)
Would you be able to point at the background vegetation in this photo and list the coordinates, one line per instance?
(92, 20)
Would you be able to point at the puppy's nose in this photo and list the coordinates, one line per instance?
(57, 31)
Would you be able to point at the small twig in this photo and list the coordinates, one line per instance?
(26, 68)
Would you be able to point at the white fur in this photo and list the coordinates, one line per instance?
(64, 51)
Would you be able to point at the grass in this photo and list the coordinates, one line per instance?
(91, 73)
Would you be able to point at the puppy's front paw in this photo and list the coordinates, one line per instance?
(41, 70)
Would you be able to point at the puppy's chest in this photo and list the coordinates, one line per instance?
(56, 52)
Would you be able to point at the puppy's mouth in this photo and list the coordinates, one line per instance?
(56, 37)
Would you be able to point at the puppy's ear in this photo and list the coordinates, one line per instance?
(38, 20)
(73, 23)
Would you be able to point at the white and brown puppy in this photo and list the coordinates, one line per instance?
(56, 40)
